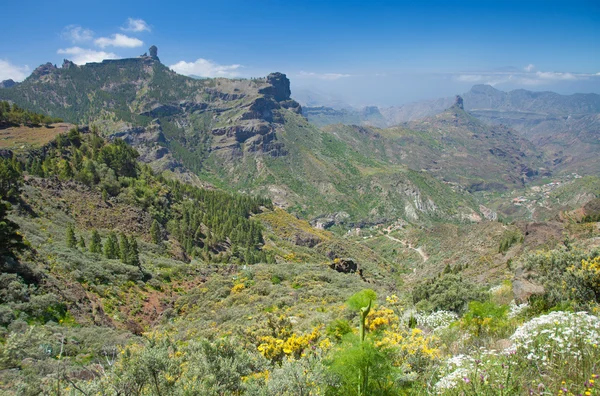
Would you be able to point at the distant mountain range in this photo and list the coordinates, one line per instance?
(249, 135)
(566, 127)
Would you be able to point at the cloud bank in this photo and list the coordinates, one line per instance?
(77, 34)
(118, 40)
(136, 25)
(205, 68)
(81, 56)
(8, 71)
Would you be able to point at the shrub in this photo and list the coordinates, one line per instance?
(449, 293)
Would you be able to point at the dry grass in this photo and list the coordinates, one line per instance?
(21, 137)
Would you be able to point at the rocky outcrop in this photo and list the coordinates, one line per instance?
(44, 70)
(344, 265)
(279, 87)
(154, 52)
(67, 64)
(458, 102)
(8, 83)
(524, 288)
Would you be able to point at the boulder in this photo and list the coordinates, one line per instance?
(344, 265)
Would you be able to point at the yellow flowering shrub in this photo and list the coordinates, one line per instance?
(275, 349)
(584, 280)
(380, 318)
(238, 287)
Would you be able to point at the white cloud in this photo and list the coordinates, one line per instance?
(522, 78)
(529, 68)
(81, 56)
(323, 76)
(12, 72)
(77, 34)
(205, 68)
(557, 76)
(118, 40)
(136, 25)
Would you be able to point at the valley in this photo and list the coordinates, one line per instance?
(179, 235)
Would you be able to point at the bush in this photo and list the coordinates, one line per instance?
(447, 293)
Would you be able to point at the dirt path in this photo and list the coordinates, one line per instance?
(419, 249)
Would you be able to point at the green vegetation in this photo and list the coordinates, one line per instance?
(15, 115)
(187, 290)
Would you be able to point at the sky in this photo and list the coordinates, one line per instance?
(358, 52)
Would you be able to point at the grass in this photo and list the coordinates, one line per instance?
(23, 138)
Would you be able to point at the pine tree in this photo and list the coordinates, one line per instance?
(96, 243)
(133, 258)
(81, 243)
(124, 248)
(10, 239)
(71, 238)
(155, 233)
(111, 247)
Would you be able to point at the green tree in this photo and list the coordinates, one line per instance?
(111, 247)
(96, 242)
(133, 256)
(71, 238)
(124, 248)
(10, 180)
(81, 243)
(10, 240)
(155, 233)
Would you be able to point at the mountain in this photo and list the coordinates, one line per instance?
(455, 147)
(565, 127)
(238, 135)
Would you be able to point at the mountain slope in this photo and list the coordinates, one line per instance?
(455, 147)
(238, 135)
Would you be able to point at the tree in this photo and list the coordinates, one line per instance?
(120, 157)
(71, 238)
(124, 248)
(133, 256)
(155, 233)
(111, 247)
(10, 240)
(81, 243)
(96, 243)
(10, 180)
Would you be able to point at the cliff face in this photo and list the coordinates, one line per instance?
(199, 116)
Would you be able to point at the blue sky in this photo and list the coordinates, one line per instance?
(362, 52)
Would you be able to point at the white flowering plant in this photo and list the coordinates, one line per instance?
(555, 353)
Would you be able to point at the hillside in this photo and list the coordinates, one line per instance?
(455, 147)
(113, 270)
(237, 135)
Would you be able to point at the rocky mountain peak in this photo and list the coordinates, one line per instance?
(67, 64)
(458, 102)
(7, 83)
(44, 69)
(154, 52)
(280, 87)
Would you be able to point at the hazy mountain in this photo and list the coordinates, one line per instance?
(238, 135)
(455, 147)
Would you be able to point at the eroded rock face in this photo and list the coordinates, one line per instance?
(345, 265)
(7, 83)
(280, 87)
(154, 52)
(458, 102)
(44, 70)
